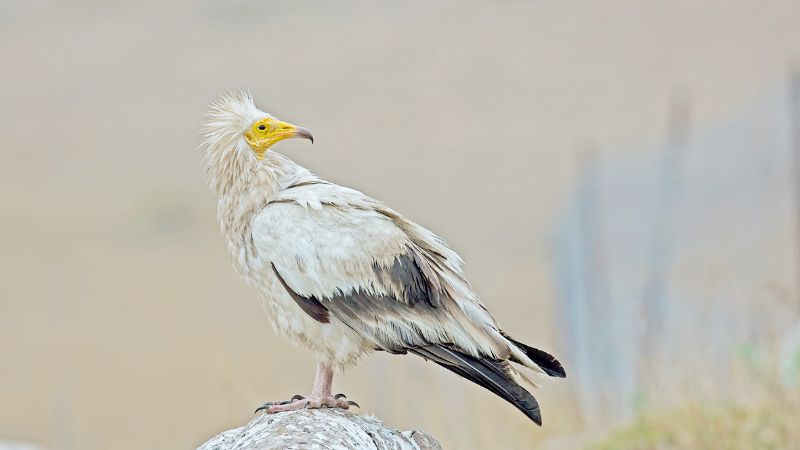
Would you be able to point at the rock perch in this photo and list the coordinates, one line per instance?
(319, 429)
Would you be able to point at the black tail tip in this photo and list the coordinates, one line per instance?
(547, 362)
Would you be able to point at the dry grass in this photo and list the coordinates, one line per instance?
(769, 425)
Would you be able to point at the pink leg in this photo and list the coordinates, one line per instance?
(323, 381)
(320, 395)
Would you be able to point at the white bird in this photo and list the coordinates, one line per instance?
(342, 274)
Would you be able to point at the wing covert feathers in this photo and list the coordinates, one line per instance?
(407, 276)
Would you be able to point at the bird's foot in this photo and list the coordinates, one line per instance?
(312, 402)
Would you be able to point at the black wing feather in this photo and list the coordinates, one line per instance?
(490, 374)
(310, 305)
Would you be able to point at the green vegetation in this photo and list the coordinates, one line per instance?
(765, 426)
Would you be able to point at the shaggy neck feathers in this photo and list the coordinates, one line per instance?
(244, 185)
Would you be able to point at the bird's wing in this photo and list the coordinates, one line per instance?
(344, 256)
(388, 279)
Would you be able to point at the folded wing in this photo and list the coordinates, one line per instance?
(343, 256)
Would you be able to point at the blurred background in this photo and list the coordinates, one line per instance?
(620, 176)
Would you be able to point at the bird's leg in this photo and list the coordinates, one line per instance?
(320, 395)
(323, 381)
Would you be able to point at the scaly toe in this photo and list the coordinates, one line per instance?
(293, 405)
(343, 402)
(340, 401)
(313, 402)
(269, 405)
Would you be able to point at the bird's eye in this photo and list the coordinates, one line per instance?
(262, 127)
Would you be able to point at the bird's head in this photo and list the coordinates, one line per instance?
(267, 131)
(237, 135)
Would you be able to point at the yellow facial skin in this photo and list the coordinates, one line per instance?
(264, 133)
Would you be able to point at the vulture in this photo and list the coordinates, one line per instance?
(343, 275)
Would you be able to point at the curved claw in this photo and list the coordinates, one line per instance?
(297, 397)
(263, 407)
(352, 403)
(338, 396)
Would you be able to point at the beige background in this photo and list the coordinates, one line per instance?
(122, 323)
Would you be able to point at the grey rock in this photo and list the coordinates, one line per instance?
(320, 429)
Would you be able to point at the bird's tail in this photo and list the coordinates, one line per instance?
(496, 376)
(543, 360)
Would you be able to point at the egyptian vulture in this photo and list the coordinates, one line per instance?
(343, 275)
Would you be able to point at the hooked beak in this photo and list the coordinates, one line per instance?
(269, 131)
(284, 130)
(300, 132)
